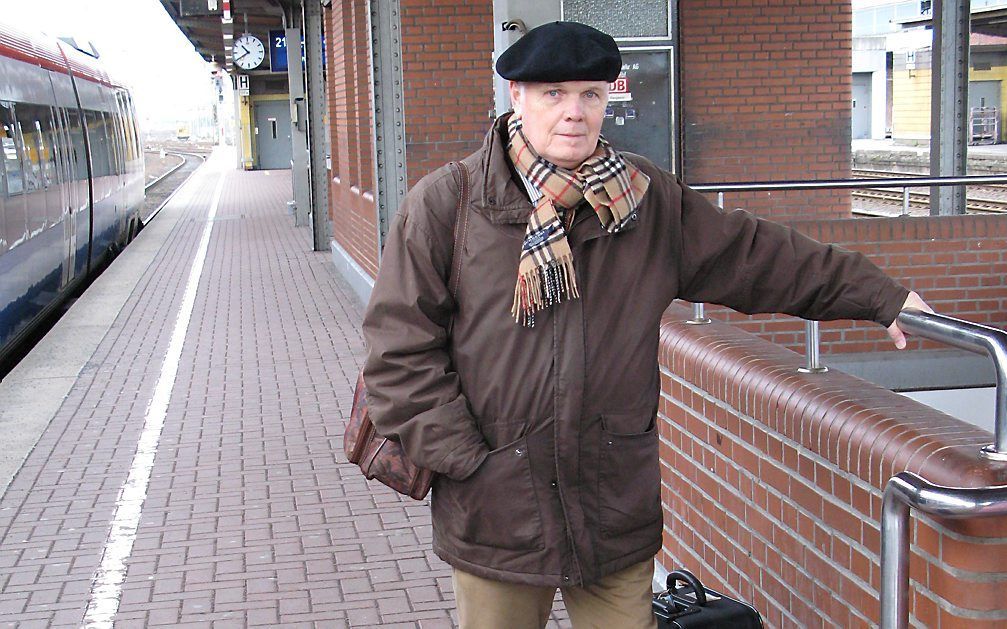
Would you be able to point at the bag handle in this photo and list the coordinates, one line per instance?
(691, 581)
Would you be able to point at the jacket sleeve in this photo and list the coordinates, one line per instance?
(753, 265)
(413, 392)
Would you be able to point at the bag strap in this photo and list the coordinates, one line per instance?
(461, 227)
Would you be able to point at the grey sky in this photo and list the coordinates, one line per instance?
(138, 44)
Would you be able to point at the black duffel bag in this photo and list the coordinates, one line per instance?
(693, 606)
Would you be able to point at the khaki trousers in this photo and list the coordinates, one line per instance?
(619, 601)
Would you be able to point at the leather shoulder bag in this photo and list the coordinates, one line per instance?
(379, 457)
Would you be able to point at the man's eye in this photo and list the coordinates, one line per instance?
(553, 93)
(591, 94)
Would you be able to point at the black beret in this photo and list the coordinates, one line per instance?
(561, 51)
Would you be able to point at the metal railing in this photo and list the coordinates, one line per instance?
(907, 491)
(903, 492)
(831, 184)
(851, 184)
(976, 338)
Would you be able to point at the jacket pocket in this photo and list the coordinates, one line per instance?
(496, 506)
(629, 476)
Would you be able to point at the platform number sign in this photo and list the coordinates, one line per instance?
(277, 51)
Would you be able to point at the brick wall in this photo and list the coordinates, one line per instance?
(766, 90)
(957, 263)
(772, 486)
(351, 198)
(447, 49)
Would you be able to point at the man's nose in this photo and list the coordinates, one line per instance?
(574, 109)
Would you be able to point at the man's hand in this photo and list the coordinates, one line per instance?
(894, 331)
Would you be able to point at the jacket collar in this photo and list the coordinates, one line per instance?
(500, 198)
(496, 194)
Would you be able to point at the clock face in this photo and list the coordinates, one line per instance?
(248, 52)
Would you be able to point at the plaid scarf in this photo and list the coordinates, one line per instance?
(610, 184)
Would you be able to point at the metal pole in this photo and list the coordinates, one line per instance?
(317, 140)
(720, 200)
(299, 179)
(907, 490)
(949, 102)
(976, 338)
(894, 557)
(905, 201)
(811, 350)
(698, 315)
(387, 86)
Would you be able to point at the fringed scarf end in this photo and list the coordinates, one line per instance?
(539, 288)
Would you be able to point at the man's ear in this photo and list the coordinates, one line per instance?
(516, 92)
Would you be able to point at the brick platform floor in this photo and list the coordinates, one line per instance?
(252, 515)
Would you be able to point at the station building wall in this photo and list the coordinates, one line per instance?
(448, 90)
(766, 91)
(352, 208)
(911, 90)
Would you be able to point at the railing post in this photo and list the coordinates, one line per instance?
(894, 559)
(813, 362)
(699, 309)
(698, 315)
(905, 201)
(906, 491)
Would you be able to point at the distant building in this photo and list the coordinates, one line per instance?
(891, 83)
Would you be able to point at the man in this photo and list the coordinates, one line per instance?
(534, 395)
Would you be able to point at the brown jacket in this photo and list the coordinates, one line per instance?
(545, 438)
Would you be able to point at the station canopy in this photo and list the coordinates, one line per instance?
(984, 21)
(213, 25)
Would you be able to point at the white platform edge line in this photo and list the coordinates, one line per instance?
(106, 587)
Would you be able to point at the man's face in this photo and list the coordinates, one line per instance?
(562, 121)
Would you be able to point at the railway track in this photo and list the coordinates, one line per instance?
(981, 200)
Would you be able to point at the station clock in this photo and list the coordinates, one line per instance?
(248, 52)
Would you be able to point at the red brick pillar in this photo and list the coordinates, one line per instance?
(766, 90)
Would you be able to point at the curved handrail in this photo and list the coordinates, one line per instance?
(973, 337)
(906, 490)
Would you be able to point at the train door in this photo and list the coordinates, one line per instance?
(80, 190)
(641, 115)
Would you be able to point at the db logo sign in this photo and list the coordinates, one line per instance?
(620, 86)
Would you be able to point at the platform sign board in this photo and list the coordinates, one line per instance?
(277, 51)
(242, 84)
(639, 113)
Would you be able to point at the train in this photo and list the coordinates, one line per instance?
(71, 176)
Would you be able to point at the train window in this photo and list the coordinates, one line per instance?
(47, 146)
(115, 141)
(100, 164)
(78, 154)
(26, 113)
(11, 172)
(123, 118)
(134, 132)
(125, 153)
